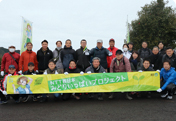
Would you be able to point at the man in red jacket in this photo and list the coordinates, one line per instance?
(10, 58)
(113, 50)
(26, 57)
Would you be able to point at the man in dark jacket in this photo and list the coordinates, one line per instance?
(130, 47)
(162, 49)
(67, 54)
(155, 59)
(101, 53)
(96, 68)
(171, 56)
(43, 56)
(83, 59)
(144, 52)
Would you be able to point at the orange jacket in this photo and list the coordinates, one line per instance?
(26, 57)
(109, 58)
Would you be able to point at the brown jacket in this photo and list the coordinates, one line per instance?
(124, 65)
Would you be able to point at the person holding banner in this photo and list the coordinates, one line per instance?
(83, 58)
(72, 69)
(51, 70)
(95, 68)
(10, 58)
(120, 64)
(56, 55)
(168, 80)
(43, 56)
(3, 93)
(26, 57)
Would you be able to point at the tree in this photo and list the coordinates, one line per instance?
(156, 22)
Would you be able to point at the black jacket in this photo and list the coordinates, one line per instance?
(76, 70)
(162, 51)
(100, 69)
(148, 69)
(29, 73)
(144, 52)
(155, 61)
(67, 54)
(83, 61)
(43, 58)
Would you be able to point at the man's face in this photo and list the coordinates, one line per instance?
(96, 63)
(52, 65)
(45, 45)
(59, 44)
(111, 43)
(31, 68)
(169, 52)
(99, 44)
(130, 46)
(144, 45)
(11, 70)
(155, 51)
(166, 66)
(146, 64)
(160, 45)
(83, 44)
(68, 44)
(72, 64)
(119, 56)
(29, 46)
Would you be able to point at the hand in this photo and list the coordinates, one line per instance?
(37, 71)
(2, 73)
(9, 75)
(45, 73)
(81, 72)
(89, 72)
(158, 71)
(140, 71)
(104, 72)
(13, 85)
(33, 74)
(4, 92)
(86, 53)
(56, 72)
(20, 71)
(159, 90)
(66, 73)
(110, 53)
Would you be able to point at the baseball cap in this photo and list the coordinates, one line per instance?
(30, 64)
(99, 40)
(111, 40)
(11, 66)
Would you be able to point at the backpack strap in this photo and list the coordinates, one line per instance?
(13, 58)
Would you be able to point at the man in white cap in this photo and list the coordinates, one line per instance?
(101, 52)
(10, 58)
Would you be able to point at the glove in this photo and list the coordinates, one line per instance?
(37, 71)
(45, 73)
(33, 74)
(110, 54)
(159, 90)
(56, 72)
(104, 72)
(4, 92)
(20, 71)
(2, 73)
(140, 71)
(86, 53)
(9, 75)
(66, 73)
(81, 72)
(89, 72)
(158, 71)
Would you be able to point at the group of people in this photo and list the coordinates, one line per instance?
(97, 60)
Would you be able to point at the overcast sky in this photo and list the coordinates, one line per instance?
(68, 19)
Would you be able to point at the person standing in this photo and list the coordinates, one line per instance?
(113, 50)
(162, 49)
(43, 56)
(67, 54)
(144, 52)
(130, 47)
(100, 52)
(56, 55)
(26, 57)
(83, 58)
(10, 58)
(126, 53)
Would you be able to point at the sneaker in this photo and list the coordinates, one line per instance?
(39, 96)
(17, 101)
(35, 99)
(169, 97)
(90, 96)
(25, 99)
(43, 99)
(111, 96)
(3, 102)
(76, 97)
(128, 97)
(100, 98)
(164, 95)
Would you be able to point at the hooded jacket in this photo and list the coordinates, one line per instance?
(144, 52)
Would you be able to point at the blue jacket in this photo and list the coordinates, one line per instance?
(168, 76)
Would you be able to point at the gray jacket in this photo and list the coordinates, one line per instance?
(91, 69)
(139, 65)
(59, 62)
